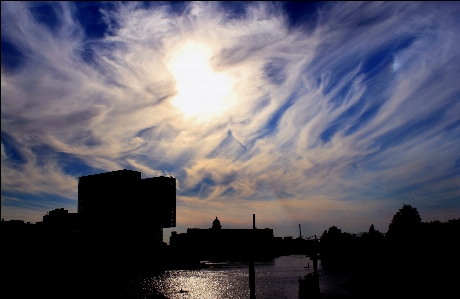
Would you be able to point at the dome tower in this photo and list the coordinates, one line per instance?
(216, 224)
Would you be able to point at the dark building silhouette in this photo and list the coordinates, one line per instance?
(121, 203)
(17, 228)
(216, 224)
(60, 221)
(216, 243)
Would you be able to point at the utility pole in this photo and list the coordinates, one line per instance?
(315, 261)
(252, 274)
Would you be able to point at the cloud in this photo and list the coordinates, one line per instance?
(37, 176)
(145, 169)
(359, 106)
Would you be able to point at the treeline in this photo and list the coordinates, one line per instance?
(414, 258)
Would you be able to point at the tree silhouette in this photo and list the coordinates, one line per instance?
(371, 229)
(405, 223)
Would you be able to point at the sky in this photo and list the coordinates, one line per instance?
(317, 114)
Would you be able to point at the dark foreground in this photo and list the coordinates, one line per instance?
(420, 262)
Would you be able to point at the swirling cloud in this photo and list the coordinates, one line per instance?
(339, 113)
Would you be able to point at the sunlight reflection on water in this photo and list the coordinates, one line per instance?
(274, 279)
(206, 283)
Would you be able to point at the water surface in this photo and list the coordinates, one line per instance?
(274, 279)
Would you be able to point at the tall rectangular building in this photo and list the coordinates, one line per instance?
(120, 202)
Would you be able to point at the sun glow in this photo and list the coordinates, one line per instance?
(201, 92)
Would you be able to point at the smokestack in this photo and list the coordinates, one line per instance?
(253, 221)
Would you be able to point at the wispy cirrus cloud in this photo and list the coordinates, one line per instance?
(349, 113)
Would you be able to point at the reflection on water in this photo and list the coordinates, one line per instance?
(210, 283)
(274, 279)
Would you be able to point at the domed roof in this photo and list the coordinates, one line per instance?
(216, 224)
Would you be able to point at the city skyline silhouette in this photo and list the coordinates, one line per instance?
(122, 246)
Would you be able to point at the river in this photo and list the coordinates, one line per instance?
(274, 279)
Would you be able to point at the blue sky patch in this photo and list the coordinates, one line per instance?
(46, 15)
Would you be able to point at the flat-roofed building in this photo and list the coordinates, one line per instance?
(121, 203)
(217, 243)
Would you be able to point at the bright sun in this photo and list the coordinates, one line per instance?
(201, 92)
